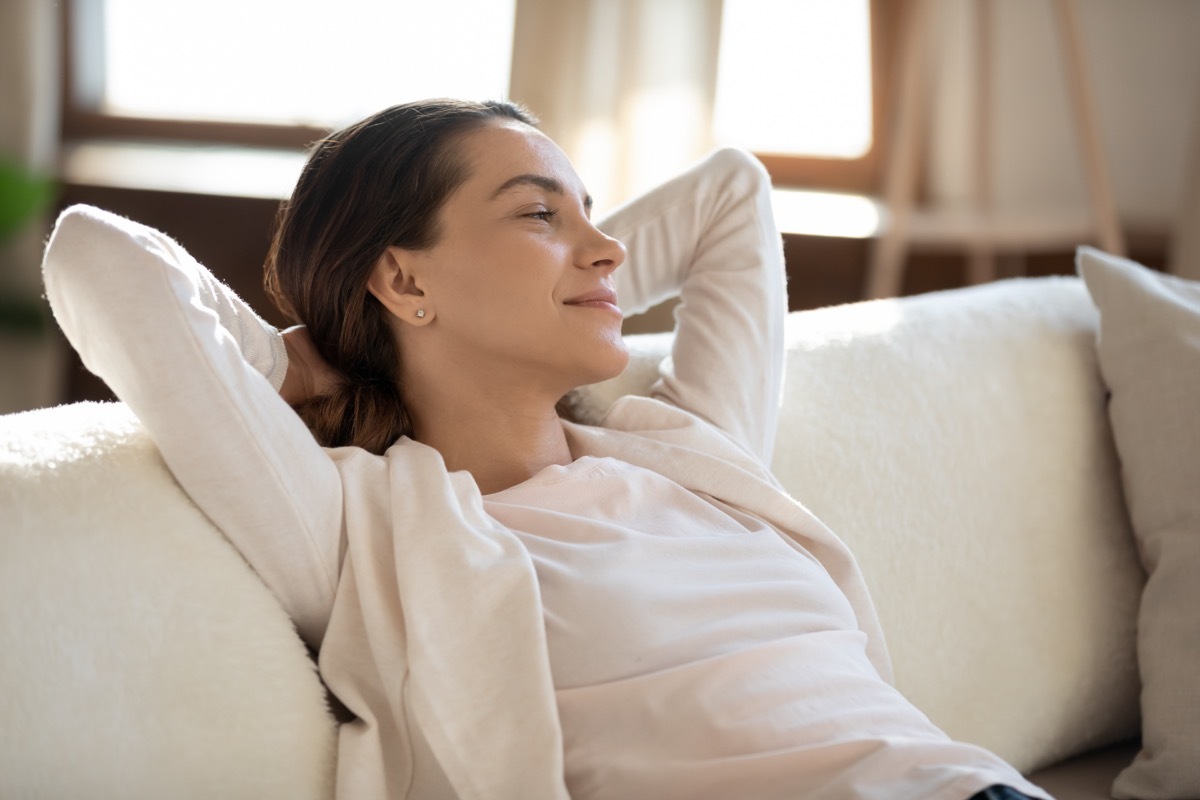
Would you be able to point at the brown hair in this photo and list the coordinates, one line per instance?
(376, 184)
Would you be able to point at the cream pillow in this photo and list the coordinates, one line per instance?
(1149, 348)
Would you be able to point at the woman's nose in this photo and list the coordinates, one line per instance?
(604, 251)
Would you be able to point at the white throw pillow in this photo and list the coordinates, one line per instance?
(1149, 345)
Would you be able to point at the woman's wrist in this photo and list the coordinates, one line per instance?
(308, 374)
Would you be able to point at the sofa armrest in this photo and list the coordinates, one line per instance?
(139, 655)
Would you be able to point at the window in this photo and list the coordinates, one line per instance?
(801, 83)
(250, 71)
(816, 97)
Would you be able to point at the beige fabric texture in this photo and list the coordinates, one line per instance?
(1149, 348)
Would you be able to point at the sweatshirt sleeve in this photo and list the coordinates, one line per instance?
(201, 370)
(709, 236)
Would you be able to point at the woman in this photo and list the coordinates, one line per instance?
(511, 605)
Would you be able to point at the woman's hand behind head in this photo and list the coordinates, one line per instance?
(308, 375)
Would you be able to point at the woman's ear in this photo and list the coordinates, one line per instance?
(395, 284)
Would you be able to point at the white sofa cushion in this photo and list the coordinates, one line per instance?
(140, 655)
(958, 443)
(1150, 356)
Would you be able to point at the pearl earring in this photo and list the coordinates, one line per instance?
(420, 313)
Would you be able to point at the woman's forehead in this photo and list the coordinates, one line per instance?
(502, 152)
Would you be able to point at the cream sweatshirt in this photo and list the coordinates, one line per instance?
(426, 610)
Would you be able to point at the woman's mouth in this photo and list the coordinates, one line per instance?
(604, 299)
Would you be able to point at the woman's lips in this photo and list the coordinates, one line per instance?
(602, 298)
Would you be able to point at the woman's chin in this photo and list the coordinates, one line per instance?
(618, 359)
(607, 364)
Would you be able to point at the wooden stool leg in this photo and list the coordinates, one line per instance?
(1185, 239)
(885, 271)
(1104, 207)
(981, 256)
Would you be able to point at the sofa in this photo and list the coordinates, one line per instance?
(960, 442)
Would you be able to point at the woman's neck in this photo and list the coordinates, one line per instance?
(500, 441)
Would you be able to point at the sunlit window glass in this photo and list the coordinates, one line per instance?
(300, 61)
(794, 77)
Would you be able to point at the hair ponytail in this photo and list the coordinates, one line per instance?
(367, 410)
(370, 415)
(377, 184)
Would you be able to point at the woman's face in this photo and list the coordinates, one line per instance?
(520, 281)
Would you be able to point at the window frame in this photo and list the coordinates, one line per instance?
(83, 70)
(861, 174)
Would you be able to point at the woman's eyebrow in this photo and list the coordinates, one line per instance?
(541, 181)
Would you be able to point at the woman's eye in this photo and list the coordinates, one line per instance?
(545, 215)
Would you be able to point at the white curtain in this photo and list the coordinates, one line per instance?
(625, 87)
(30, 364)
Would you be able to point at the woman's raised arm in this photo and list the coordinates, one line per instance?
(202, 372)
(709, 236)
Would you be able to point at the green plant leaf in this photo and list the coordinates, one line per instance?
(23, 194)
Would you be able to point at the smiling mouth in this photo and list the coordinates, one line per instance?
(602, 303)
(604, 299)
